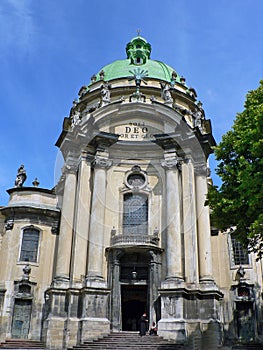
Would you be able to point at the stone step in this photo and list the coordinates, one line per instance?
(24, 344)
(247, 347)
(130, 341)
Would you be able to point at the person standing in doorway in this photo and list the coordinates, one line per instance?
(143, 324)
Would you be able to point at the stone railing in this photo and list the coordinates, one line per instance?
(134, 239)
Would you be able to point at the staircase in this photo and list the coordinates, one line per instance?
(248, 347)
(22, 344)
(128, 341)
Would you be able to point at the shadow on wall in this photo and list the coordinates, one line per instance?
(209, 339)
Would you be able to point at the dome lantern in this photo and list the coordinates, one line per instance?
(138, 50)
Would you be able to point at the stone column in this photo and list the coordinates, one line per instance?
(116, 291)
(173, 220)
(82, 220)
(203, 224)
(66, 226)
(97, 220)
(189, 222)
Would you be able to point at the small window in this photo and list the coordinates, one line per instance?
(243, 292)
(29, 248)
(25, 289)
(240, 253)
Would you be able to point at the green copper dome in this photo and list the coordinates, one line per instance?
(138, 55)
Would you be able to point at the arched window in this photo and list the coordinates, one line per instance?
(135, 215)
(29, 247)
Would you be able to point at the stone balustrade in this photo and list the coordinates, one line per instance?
(134, 239)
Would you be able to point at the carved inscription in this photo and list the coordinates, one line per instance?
(135, 131)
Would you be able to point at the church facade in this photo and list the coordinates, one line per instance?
(126, 230)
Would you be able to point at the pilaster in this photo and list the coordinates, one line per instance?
(173, 219)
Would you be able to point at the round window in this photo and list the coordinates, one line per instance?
(136, 180)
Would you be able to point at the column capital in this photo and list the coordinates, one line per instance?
(116, 255)
(103, 163)
(86, 155)
(187, 159)
(169, 164)
(70, 168)
(201, 169)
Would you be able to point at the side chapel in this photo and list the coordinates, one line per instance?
(126, 230)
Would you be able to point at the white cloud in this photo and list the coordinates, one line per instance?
(16, 26)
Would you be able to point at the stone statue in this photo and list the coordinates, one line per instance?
(105, 93)
(241, 272)
(76, 118)
(20, 177)
(199, 117)
(166, 92)
(83, 90)
(27, 271)
(102, 74)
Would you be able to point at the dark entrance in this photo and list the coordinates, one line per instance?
(21, 318)
(133, 305)
(245, 321)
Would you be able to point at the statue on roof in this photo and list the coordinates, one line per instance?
(21, 176)
(105, 93)
(198, 116)
(166, 92)
(76, 117)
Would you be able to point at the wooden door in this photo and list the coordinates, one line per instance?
(21, 318)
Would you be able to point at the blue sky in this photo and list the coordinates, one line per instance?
(50, 48)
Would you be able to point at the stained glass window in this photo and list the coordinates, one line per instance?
(135, 216)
